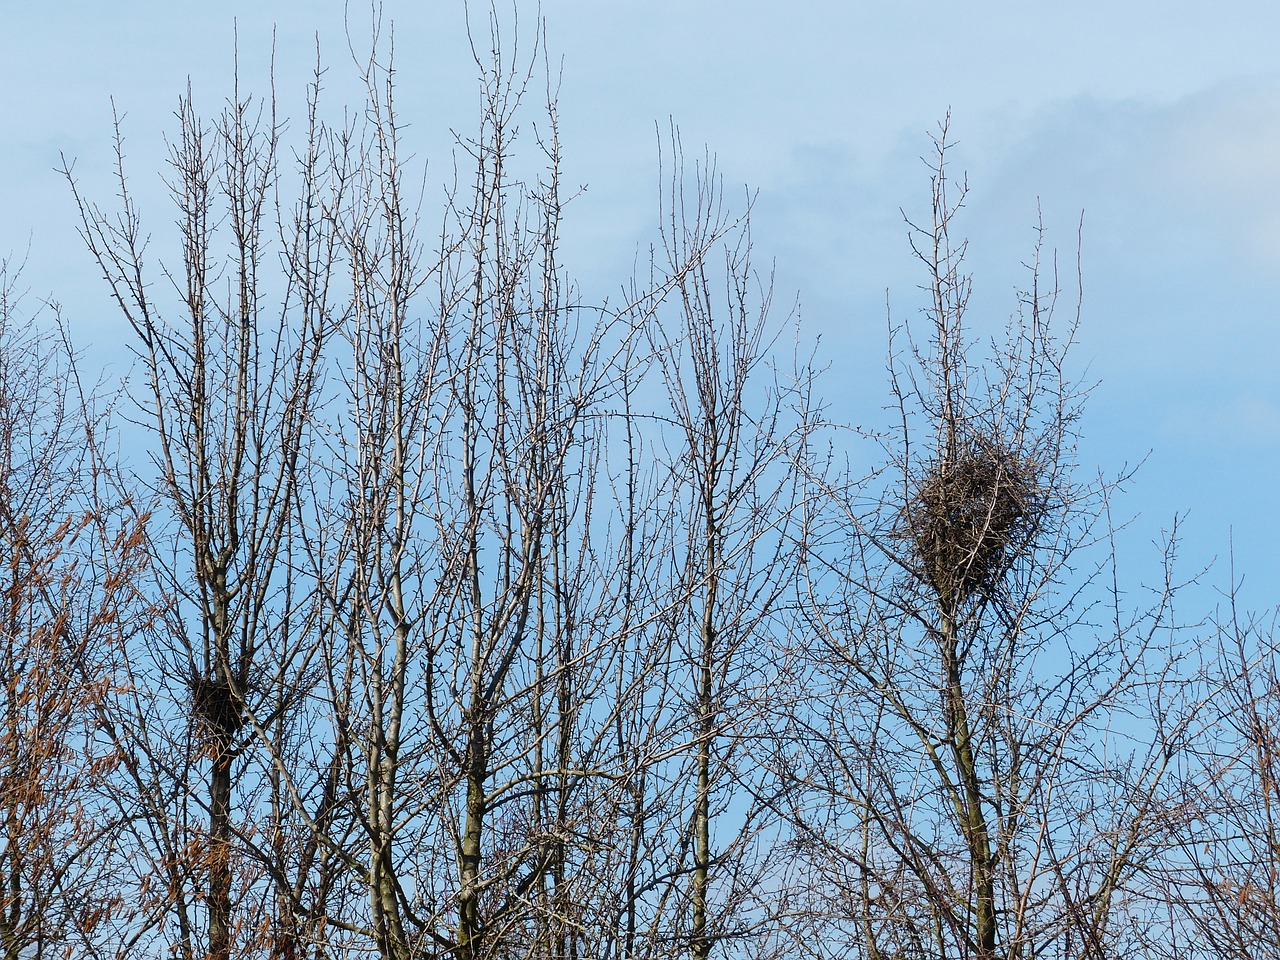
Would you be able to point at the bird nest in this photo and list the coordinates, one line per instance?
(971, 516)
(215, 703)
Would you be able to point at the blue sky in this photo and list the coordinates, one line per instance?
(1160, 122)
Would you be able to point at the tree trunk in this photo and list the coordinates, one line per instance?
(220, 852)
(972, 818)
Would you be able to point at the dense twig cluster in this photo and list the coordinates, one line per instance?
(216, 704)
(972, 514)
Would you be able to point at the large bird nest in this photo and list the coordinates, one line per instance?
(971, 516)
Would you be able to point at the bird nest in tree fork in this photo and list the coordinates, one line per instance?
(215, 703)
(971, 515)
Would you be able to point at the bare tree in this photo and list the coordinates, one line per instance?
(709, 437)
(954, 791)
(228, 394)
(738, 475)
(1215, 889)
(458, 579)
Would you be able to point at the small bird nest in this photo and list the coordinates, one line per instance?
(971, 516)
(215, 704)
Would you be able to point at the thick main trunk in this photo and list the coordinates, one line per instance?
(387, 923)
(700, 941)
(700, 944)
(221, 712)
(220, 853)
(469, 932)
(973, 822)
(384, 758)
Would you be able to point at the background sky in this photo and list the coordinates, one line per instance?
(1157, 122)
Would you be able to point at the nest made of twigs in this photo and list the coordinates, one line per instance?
(216, 704)
(970, 516)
